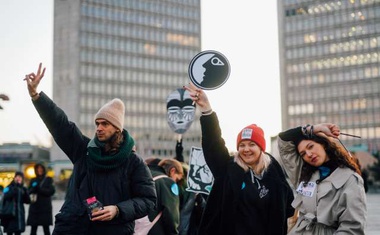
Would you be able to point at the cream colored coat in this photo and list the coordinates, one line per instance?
(337, 204)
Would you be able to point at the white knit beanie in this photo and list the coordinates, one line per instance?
(113, 112)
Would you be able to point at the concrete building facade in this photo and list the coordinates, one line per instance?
(329, 66)
(138, 51)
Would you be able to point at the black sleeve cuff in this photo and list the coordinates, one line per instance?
(293, 134)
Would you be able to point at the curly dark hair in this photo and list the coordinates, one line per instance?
(339, 156)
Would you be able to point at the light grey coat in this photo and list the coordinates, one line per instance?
(337, 204)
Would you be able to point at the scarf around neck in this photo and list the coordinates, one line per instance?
(98, 161)
(326, 169)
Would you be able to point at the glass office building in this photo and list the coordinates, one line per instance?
(329, 60)
(138, 51)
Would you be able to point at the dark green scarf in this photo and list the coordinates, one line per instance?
(97, 161)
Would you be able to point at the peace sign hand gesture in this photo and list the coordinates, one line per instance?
(33, 80)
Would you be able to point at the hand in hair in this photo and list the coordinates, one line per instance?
(328, 129)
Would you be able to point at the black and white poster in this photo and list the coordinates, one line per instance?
(199, 178)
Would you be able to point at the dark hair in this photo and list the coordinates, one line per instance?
(356, 160)
(338, 155)
(152, 161)
(114, 143)
(168, 164)
(40, 164)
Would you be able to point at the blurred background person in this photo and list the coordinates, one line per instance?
(41, 190)
(166, 173)
(1, 196)
(16, 191)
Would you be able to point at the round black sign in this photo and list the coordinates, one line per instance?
(209, 70)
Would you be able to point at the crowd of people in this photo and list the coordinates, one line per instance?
(38, 194)
(317, 189)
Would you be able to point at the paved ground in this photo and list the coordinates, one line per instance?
(373, 220)
(373, 216)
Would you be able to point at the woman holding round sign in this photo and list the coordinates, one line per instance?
(250, 194)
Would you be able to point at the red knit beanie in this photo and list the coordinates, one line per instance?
(254, 133)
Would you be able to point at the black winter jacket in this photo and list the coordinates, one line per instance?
(41, 211)
(130, 187)
(223, 214)
(167, 202)
(18, 193)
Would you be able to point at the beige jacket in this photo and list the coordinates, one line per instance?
(337, 205)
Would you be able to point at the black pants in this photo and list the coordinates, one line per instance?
(33, 231)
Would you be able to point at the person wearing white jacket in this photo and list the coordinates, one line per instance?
(330, 197)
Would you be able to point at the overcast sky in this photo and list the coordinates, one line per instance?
(245, 31)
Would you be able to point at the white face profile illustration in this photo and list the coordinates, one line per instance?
(180, 110)
(209, 70)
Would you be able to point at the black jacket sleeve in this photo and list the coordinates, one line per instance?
(294, 135)
(214, 148)
(64, 132)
